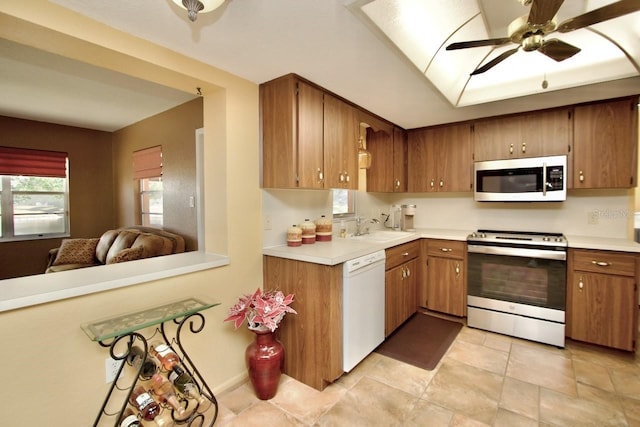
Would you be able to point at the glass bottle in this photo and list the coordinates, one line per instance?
(129, 419)
(185, 384)
(135, 359)
(143, 401)
(163, 389)
(165, 355)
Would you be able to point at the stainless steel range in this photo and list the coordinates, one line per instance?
(516, 284)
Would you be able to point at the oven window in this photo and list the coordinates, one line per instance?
(532, 281)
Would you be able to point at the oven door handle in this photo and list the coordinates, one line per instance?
(518, 252)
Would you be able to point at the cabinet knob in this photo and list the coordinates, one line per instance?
(457, 269)
(580, 284)
(320, 175)
(510, 148)
(581, 176)
(405, 253)
(524, 147)
(432, 183)
(408, 272)
(445, 249)
(397, 183)
(601, 263)
(348, 178)
(441, 183)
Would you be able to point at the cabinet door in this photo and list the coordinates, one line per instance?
(380, 175)
(454, 159)
(545, 133)
(399, 160)
(496, 138)
(445, 286)
(279, 133)
(310, 139)
(341, 127)
(420, 173)
(394, 300)
(606, 144)
(602, 309)
(400, 294)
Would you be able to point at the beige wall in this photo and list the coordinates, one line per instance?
(54, 373)
(174, 130)
(90, 182)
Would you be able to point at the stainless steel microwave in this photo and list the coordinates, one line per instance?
(534, 179)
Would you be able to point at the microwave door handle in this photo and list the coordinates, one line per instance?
(544, 179)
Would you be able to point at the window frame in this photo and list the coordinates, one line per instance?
(351, 202)
(7, 224)
(142, 193)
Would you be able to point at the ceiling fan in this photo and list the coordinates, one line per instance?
(528, 31)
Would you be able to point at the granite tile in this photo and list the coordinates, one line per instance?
(559, 409)
(520, 397)
(465, 389)
(479, 356)
(543, 367)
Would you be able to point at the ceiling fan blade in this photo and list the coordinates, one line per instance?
(495, 61)
(613, 10)
(543, 11)
(558, 50)
(478, 43)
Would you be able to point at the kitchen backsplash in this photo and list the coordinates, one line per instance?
(598, 213)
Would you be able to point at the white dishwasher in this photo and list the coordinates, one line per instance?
(362, 307)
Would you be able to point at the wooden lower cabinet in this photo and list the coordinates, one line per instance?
(602, 298)
(312, 338)
(444, 279)
(401, 284)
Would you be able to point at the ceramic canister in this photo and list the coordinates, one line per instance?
(324, 229)
(308, 232)
(294, 236)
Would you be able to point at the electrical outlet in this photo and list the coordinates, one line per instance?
(592, 217)
(267, 222)
(111, 367)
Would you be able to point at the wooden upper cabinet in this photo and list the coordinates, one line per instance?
(388, 171)
(606, 144)
(535, 134)
(341, 126)
(309, 137)
(440, 159)
(278, 112)
(400, 153)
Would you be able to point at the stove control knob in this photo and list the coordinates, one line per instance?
(559, 239)
(546, 238)
(473, 234)
(483, 235)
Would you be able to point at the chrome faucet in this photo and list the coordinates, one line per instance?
(362, 227)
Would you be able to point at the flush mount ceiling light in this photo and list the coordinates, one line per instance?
(193, 7)
(605, 32)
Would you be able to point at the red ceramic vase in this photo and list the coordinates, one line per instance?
(265, 360)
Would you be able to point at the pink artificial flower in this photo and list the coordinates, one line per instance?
(261, 309)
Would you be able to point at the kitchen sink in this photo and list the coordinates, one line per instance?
(383, 236)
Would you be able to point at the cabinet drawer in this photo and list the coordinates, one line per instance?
(446, 248)
(402, 253)
(604, 262)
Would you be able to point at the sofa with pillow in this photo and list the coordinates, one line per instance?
(120, 245)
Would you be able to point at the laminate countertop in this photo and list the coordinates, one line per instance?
(339, 250)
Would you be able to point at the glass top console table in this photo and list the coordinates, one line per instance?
(122, 334)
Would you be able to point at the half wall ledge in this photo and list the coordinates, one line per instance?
(39, 289)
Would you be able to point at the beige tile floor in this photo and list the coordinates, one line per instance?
(483, 379)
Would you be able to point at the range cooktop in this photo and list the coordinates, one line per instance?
(517, 237)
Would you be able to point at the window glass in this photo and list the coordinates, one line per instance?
(33, 206)
(151, 207)
(344, 203)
